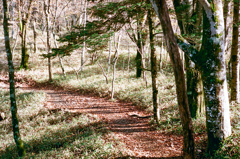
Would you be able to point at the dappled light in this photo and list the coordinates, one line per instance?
(119, 79)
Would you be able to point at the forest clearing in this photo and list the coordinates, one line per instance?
(115, 79)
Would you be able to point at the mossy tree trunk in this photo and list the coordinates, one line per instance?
(234, 55)
(189, 21)
(211, 61)
(24, 16)
(213, 67)
(194, 90)
(140, 40)
(153, 70)
(161, 9)
(139, 37)
(25, 54)
(15, 123)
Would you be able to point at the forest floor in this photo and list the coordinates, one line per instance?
(126, 121)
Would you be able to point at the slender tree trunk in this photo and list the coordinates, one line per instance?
(138, 58)
(35, 36)
(84, 43)
(104, 74)
(109, 56)
(59, 57)
(234, 55)
(47, 12)
(227, 21)
(15, 43)
(156, 110)
(23, 29)
(25, 54)
(161, 57)
(161, 9)
(54, 30)
(115, 62)
(15, 123)
(128, 58)
(13, 18)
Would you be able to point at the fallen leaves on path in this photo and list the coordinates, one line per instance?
(140, 139)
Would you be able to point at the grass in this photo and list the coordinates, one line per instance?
(48, 134)
(53, 134)
(128, 88)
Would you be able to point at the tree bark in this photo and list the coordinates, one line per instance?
(184, 12)
(227, 9)
(138, 58)
(214, 75)
(23, 29)
(109, 56)
(156, 110)
(211, 61)
(84, 43)
(54, 30)
(35, 36)
(115, 62)
(161, 9)
(47, 12)
(234, 55)
(15, 123)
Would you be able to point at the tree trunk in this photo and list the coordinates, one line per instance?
(185, 12)
(47, 12)
(234, 55)
(115, 62)
(23, 29)
(214, 75)
(84, 43)
(156, 110)
(138, 58)
(54, 30)
(211, 61)
(59, 57)
(227, 22)
(25, 54)
(109, 56)
(128, 67)
(161, 9)
(35, 36)
(194, 89)
(15, 123)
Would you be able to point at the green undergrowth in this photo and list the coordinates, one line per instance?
(53, 133)
(231, 146)
(131, 89)
(92, 81)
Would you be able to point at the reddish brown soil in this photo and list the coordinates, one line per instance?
(141, 140)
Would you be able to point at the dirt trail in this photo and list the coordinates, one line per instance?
(140, 139)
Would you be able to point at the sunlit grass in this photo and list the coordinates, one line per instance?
(72, 135)
(53, 134)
